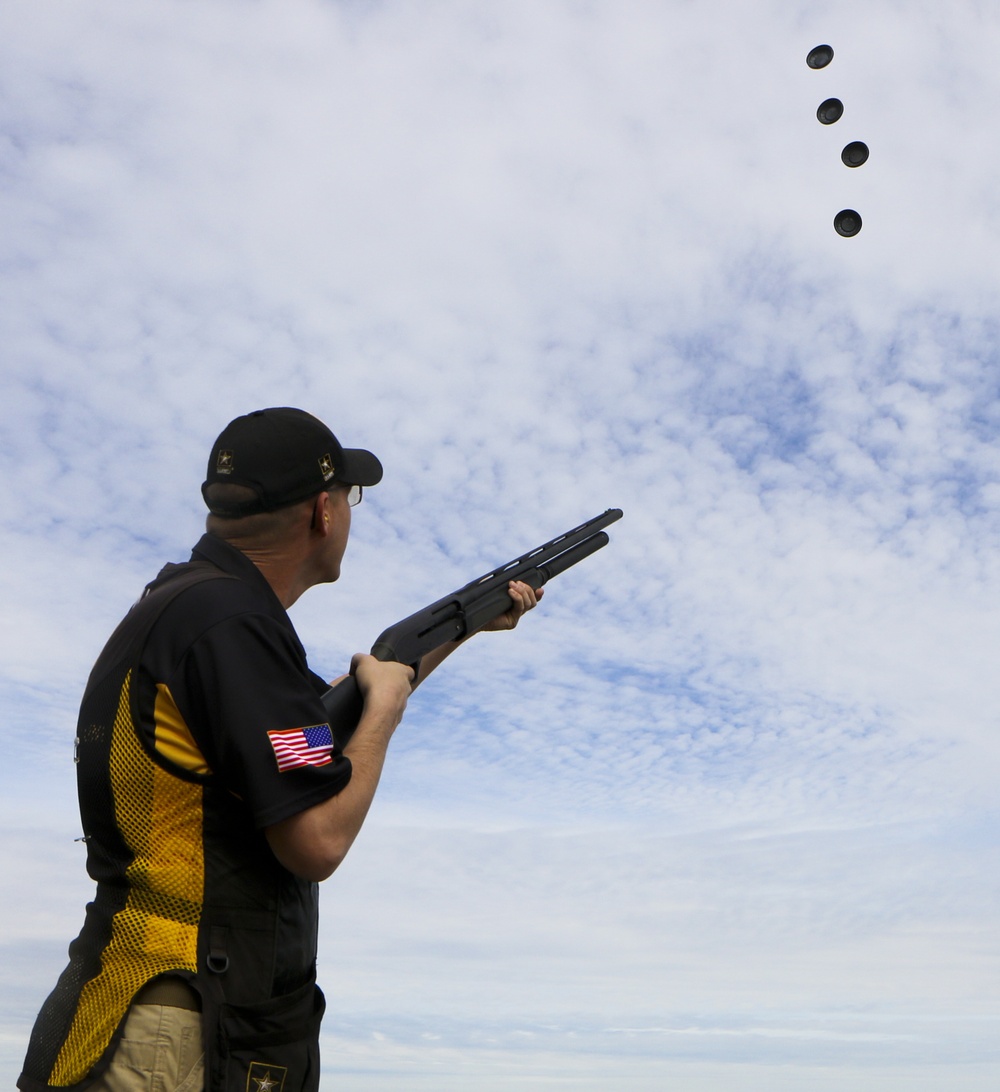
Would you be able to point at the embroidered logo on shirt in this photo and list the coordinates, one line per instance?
(295, 747)
(266, 1078)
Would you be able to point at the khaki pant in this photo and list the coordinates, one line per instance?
(160, 1051)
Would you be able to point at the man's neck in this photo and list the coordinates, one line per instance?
(285, 574)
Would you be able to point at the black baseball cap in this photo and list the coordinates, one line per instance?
(285, 456)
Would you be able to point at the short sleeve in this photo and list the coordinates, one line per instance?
(247, 694)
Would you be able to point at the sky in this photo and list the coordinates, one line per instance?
(721, 814)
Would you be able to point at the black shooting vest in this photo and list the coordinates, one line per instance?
(186, 886)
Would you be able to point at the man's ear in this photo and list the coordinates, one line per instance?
(321, 514)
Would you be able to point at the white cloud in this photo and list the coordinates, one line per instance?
(546, 259)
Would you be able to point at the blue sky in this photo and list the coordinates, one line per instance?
(721, 815)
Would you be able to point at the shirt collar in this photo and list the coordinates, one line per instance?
(230, 559)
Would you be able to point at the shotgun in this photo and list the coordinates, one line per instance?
(464, 612)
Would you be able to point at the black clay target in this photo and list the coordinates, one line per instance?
(847, 223)
(855, 154)
(829, 111)
(819, 57)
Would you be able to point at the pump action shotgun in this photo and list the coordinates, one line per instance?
(464, 613)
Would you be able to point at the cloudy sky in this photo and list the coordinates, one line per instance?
(722, 814)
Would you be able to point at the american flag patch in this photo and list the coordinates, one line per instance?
(294, 747)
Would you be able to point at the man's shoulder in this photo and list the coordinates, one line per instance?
(197, 596)
(212, 622)
(217, 580)
(182, 603)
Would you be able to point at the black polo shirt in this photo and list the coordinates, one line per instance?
(226, 694)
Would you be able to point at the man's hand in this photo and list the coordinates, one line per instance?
(523, 598)
(385, 685)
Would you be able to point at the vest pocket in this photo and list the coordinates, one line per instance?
(273, 1044)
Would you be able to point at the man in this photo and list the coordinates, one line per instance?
(213, 793)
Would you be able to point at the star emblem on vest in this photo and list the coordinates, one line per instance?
(266, 1078)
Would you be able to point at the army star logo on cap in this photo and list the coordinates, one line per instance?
(224, 463)
(266, 1078)
(326, 467)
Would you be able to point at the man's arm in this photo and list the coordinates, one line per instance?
(313, 843)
